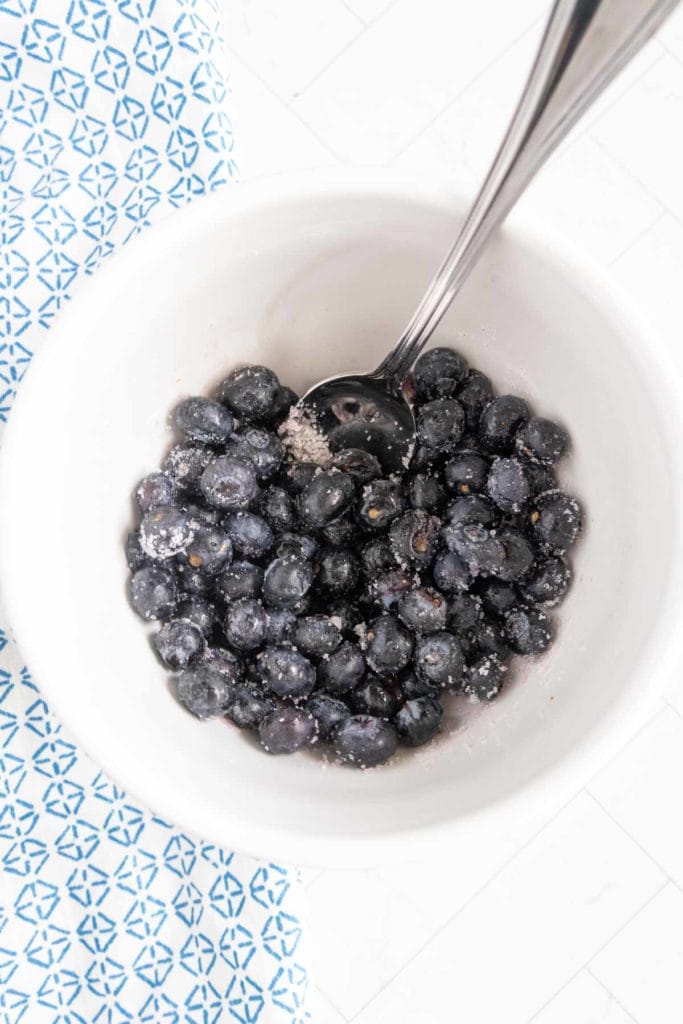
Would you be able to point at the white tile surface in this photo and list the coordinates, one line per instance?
(643, 965)
(429, 85)
(583, 1001)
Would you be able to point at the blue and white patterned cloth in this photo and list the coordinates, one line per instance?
(112, 113)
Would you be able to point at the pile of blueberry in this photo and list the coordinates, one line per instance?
(336, 605)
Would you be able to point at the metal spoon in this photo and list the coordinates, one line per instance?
(585, 44)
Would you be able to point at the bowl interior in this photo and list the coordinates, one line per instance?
(314, 284)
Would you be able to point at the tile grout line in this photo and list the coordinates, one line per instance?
(627, 170)
(672, 707)
(653, 860)
(347, 6)
(611, 994)
(347, 46)
(638, 238)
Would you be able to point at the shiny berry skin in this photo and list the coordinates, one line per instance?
(440, 424)
(296, 476)
(261, 449)
(317, 635)
(229, 483)
(178, 643)
(425, 492)
(286, 581)
(376, 557)
(507, 484)
(438, 372)
(201, 419)
(286, 730)
(251, 536)
(540, 476)
(209, 550)
(325, 497)
(249, 705)
(542, 440)
(277, 508)
(519, 554)
(154, 490)
(413, 686)
(227, 663)
(362, 466)
(418, 720)
(343, 669)
(479, 548)
(528, 630)
(191, 581)
(554, 522)
(484, 677)
(500, 421)
(472, 508)
(450, 572)
(414, 536)
(284, 399)
(498, 597)
(388, 588)
(365, 741)
(154, 592)
(371, 698)
(390, 645)
(249, 392)
(198, 610)
(204, 691)
(423, 610)
(285, 671)
(166, 531)
(488, 637)
(548, 582)
(185, 464)
(439, 658)
(329, 713)
(466, 473)
(474, 394)
(280, 625)
(465, 611)
(338, 571)
(241, 579)
(381, 501)
(245, 624)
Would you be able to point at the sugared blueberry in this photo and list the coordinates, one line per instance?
(287, 729)
(548, 582)
(423, 610)
(260, 448)
(554, 521)
(500, 421)
(325, 498)
(202, 419)
(414, 536)
(380, 502)
(166, 531)
(389, 645)
(241, 579)
(507, 484)
(365, 741)
(418, 720)
(343, 669)
(439, 658)
(450, 572)
(542, 440)
(474, 395)
(245, 624)
(438, 372)
(357, 463)
(250, 534)
(229, 483)
(185, 464)
(204, 691)
(179, 642)
(484, 677)
(198, 610)
(329, 713)
(528, 630)
(154, 592)
(466, 472)
(209, 550)
(286, 581)
(440, 424)
(338, 571)
(317, 635)
(372, 698)
(154, 490)
(249, 705)
(249, 392)
(285, 671)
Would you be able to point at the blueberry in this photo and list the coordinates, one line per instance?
(250, 534)
(249, 705)
(528, 631)
(450, 572)
(284, 399)
(542, 440)
(484, 677)
(440, 424)
(338, 571)
(413, 686)
(365, 741)
(325, 498)
(185, 464)
(287, 729)
(204, 515)
(342, 533)
(280, 625)
(519, 554)
(507, 484)
(423, 610)
(376, 557)
(472, 508)
(465, 612)
(499, 422)
(488, 637)
(498, 597)
(154, 592)
(343, 669)
(285, 671)
(298, 475)
(555, 522)
(225, 662)
(479, 548)
(200, 612)
(204, 691)
(439, 658)
(328, 712)
(548, 582)
(438, 372)
(154, 490)
(135, 556)
(344, 614)
(201, 419)
(300, 544)
(425, 492)
(209, 550)
(390, 645)
(286, 581)
(466, 472)
(371, 698)
(245, 624)
(241, 579)
(249, 392)
(229, 483)
(423, 458)
(389, 587)
(359, 464)
(418, 720)
(474, 395)
(261, 449)
(380, 502)
(166, 531)
(317, 635)
(540, 476)
(179, 643)
(191, 581)
(277, 508)
(414, 536)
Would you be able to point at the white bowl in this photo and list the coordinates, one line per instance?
(314, 275)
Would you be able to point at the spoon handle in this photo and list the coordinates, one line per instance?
(585, 44)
